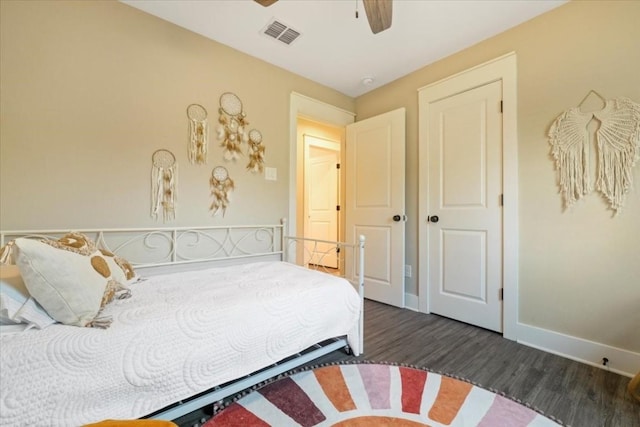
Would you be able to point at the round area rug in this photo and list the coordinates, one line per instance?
(370, 394)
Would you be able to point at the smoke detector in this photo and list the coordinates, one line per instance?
(368, 80)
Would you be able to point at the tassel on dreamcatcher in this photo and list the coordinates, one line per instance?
(232, 125)
(164, 177)
(198, 134)
(256, 152)
(220, 184)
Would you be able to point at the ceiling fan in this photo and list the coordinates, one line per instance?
(379, 12)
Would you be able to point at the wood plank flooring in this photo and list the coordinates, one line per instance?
(574, 393)
(578, 395)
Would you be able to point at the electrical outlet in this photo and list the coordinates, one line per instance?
(407, 270)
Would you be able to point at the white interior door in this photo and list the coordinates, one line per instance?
(375, 183)
(321, 199)
(464, 206)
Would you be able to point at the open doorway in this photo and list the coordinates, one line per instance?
(321, 120)
(319, 188)
(322, 197)
(366, 166)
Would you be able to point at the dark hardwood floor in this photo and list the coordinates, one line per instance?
(576, 394)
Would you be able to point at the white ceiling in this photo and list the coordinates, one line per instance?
(338, 50)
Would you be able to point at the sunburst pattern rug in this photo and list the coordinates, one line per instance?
(380, 395)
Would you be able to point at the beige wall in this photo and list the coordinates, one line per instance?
(579, 270)
(91, 89)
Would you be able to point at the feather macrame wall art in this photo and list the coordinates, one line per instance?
(164, 178)
(220, 184)
(618, 150)
(198, 134)
(232, 125)
(256, 152)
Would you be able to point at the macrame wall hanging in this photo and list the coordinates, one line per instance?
(232, 125)
(164, 177)
(256, 152)
(221, 185)
(618, 149)
(198, 134)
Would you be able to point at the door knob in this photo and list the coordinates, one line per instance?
(433, 218)
(397, 218)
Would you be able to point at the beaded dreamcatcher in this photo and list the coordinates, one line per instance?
(164, 177)
(198, 134)
(256, 151)
(220, 184)
(231, 125)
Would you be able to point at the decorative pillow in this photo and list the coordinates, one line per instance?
(16, 304)
(121, 269)
(69, 277)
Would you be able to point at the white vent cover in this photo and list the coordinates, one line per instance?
(281, 32)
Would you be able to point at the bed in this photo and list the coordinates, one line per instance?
(213, 311)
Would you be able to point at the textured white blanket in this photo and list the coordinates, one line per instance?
(178, 335)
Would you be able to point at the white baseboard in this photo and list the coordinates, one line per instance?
(623, 362)
(411, 302)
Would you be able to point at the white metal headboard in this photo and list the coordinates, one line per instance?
(158, 247)
(157, 250)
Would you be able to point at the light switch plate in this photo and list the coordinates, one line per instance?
(271, 174)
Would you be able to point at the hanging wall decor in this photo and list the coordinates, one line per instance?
(256, 151)
(232, 125)
(220, 184)
(198, 134)
(164, 177)
(618, 150)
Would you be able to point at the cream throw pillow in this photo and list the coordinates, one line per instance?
(72, 287)
(121, 269)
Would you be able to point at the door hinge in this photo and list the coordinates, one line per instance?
(501, 106)
(337, 165)
(501, 294)
(502, 200)
(337, 207)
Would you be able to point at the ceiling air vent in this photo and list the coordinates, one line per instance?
(281, 32)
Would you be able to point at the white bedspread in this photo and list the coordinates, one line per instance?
(178, 335)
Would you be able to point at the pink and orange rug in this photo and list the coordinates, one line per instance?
(380, 395)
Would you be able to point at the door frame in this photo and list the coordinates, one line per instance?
(502, 68)
(306, 107)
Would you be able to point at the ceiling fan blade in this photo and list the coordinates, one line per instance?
(266, 3)
(379, 13)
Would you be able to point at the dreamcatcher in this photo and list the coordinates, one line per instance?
(163, 184)
(198, 134)
(232, 125)
(220, 184)
(256, 152)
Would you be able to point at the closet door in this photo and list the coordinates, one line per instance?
(464, 214)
